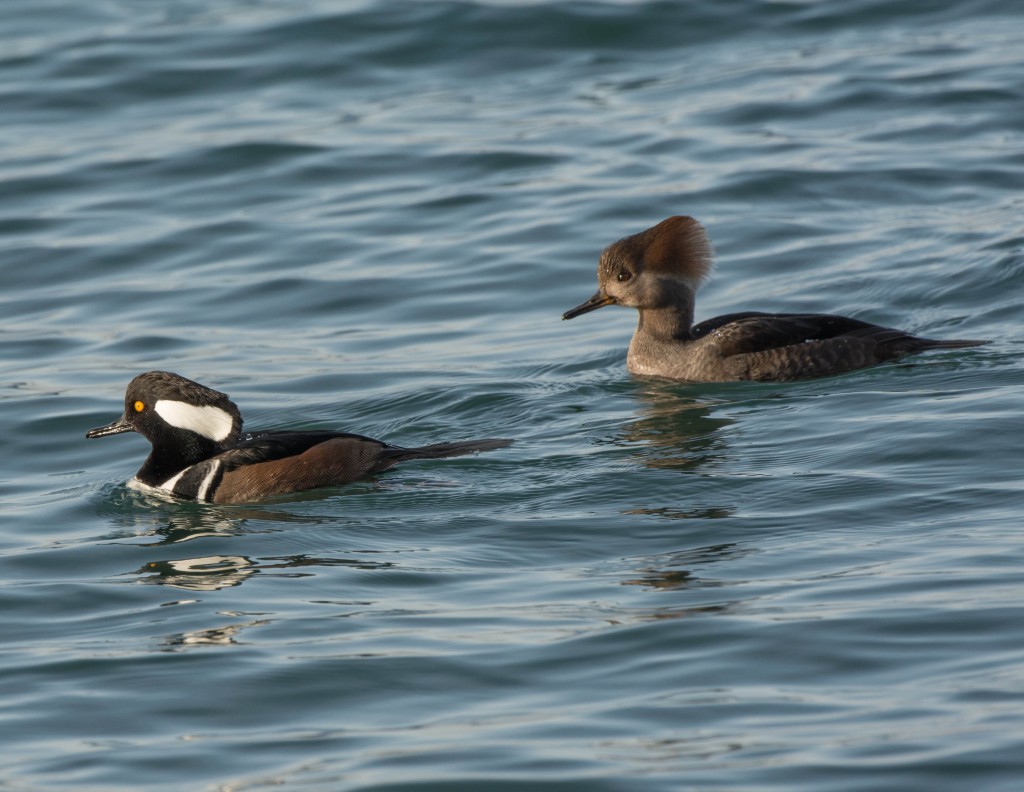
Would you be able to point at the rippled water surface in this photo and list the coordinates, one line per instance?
(370, 216)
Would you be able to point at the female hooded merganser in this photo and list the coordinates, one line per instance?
(199, 452)
(658, 272)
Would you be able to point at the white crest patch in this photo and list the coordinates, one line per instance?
(209, 421)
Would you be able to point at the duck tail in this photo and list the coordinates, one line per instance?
(443, 450)
(953, 343)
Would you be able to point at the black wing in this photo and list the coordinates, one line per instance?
(254, 447)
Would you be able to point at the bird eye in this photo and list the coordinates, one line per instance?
(139, 406)
(624, 276)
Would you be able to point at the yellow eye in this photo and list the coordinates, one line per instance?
(139, 406)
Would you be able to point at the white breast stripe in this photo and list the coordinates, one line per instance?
(138, 486)
(209, 421)
(169, 484)
(208, 480)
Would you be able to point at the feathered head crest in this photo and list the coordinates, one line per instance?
(676, 246)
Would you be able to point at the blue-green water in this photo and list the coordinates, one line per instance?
(369, 216)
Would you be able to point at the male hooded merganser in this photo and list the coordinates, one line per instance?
(199, 452)
(658, 272)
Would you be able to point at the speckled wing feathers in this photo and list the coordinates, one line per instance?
(756, 332)
(782, 347)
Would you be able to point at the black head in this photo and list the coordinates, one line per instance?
(186, 422)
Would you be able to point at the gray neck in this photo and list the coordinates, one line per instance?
(668, 313)
(671, 323)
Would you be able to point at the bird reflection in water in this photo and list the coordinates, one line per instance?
(207, 573)
(216, 636)
(674, 571)
(170, 521)
(210, 573)
(682, 432)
